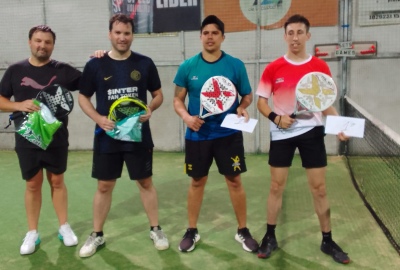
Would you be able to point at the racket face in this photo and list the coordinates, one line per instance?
(58, 99)
(217, 95)
(315, 92)
(124, 107)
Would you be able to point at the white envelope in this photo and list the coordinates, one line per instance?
(350, 126)
(238, 123)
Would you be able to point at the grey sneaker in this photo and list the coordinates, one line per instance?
(31, 240)
(159, 238)
(67, 235)
(91, 245)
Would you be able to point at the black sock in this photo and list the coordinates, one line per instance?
(99, 233)
(158, 227)
(270, 230)
(327, 237)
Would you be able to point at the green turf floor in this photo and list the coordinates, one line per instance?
(127, 232)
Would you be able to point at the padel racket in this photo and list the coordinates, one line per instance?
(58, 99)
(315, 92)
(124, 107)
(217, 95)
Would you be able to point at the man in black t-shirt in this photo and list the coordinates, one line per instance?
(121, 72)
(23, 81)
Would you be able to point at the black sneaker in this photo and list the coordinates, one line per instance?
(332, 249)
(268, 244)
(244, 237)
(189, 240)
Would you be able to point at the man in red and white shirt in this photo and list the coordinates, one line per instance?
(279, 81)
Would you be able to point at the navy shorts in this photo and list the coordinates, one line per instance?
(32, 160)
(311, 147)
(228, 153)
(108, 166)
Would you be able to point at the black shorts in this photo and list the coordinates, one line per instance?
(311, 147)
(109, 166)
(228, 153)
(32, 160)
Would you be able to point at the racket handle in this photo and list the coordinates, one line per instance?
(16, 115)
(293, 116)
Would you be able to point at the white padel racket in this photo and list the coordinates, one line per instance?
(315, 92)
(218, 94)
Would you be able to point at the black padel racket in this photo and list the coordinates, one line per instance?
(58, 99)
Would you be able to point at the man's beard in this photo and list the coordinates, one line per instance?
(42, 56)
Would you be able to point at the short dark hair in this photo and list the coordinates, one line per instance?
(297, 18)
(212, 19)
(120, 18)
(42, 28)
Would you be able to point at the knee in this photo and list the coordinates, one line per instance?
(57, 184)
(56, 181)
(198, 183)
(276, 188)
(319, 191)
(234, 183)
(146, 184)
(104, 188)
(33, 187)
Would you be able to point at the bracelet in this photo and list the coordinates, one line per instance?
(277, 125)
(272, 116)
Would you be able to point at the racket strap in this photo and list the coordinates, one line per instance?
(9, 122)
(14, 116)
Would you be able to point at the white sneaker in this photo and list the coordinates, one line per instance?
(67, 235)
(31, 240)
(91, 244)
(159, 238)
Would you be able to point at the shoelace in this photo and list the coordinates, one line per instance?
(337, 248)
(66, 229)
(93, 240)
(190, 234)
(245, 233)
(159, 235)
(29, 236)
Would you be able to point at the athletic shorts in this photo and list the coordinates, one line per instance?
(228, 153)
(311, 147)
(108, 166)
(32, 160)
